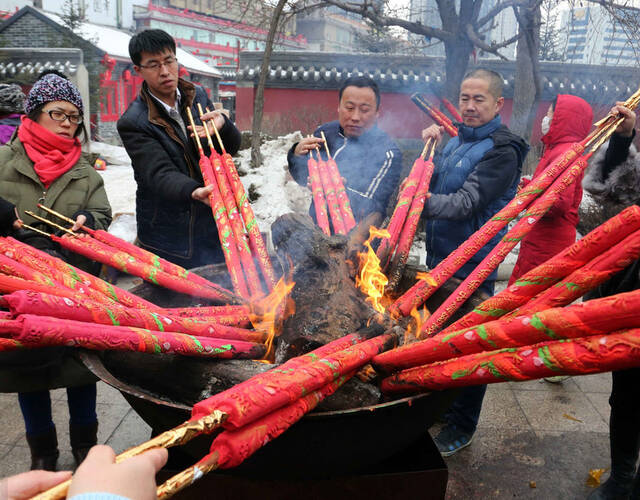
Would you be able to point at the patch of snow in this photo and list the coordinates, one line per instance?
(279, 193)
(113, 155)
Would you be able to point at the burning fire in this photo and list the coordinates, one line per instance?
(413, 328)
(371, 280)
(268, 314)
(428, 278)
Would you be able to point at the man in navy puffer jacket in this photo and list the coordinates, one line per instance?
(476, 174)
(367, 158)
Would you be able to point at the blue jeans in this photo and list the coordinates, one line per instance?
(36, 408)
(465, 410)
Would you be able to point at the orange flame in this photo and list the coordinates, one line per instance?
(413, 328)
(268, 314)
(428, 278)
(371, 280)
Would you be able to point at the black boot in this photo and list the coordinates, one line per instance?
(44, 450)
(83, 438)
(624, 439)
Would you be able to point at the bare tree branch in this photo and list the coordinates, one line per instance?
(382, 20)
(499, 8)
(481, 44)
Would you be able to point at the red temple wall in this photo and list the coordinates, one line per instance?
(288, 110)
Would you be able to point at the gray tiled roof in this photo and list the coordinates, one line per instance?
(33, 68)
(406, 74)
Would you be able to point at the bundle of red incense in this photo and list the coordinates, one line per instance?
(240, 237)
(436, 115)
(393, 251)
(452, 263)
(329, 194)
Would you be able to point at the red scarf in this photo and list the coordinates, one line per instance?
(52, 154)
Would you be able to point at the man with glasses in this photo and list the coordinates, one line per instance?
(172, 204)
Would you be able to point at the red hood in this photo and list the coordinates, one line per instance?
(571, 122)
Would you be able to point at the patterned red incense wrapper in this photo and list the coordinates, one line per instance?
(436, 115)
(410, 226)
(41, 331)
(332, 199)
(42, 304)
(237, 226)
(145, 256)
(599, 270)
(55, 279)
(13, 268)
(599, 353)
(287, 383)
(235, 446)
(409, 187)
(258, 247)
(451, 109)
(319, 202)
(550, 272)
(227, 241)
(100, 252)
(207, 311)
(595, 317)
(42, 261)
(341, 194)
(498, 253)
(9, 284)
(423, 289)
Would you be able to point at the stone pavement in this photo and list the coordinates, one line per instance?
(529, 432)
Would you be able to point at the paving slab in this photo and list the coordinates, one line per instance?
(599, 382)
(501, 410)
(560, 411)
(521, 464)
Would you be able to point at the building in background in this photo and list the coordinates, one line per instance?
(213, 40)
(113, 83)
(593, 36)
(332, 29)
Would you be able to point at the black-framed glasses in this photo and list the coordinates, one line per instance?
(59, 116)
(156, 65)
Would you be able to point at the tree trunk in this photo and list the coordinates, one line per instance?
(258, 100)
(527, 90)
(457, 54)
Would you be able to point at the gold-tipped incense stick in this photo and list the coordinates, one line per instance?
(206, 129)
(195, 132)
(187, 477)
(326, 147)
(31, 228)
(57, 214)
(426, 146)
(215, 129)
(47, 221)
(173, 437)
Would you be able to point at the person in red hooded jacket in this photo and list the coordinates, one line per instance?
(568, 120)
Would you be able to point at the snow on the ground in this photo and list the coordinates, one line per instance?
(279, 193)
(121, 188)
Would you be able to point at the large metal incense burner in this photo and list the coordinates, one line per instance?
(352, 432)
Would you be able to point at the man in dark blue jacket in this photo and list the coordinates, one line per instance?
(367, 158)
(172, 205)
(476, 174)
